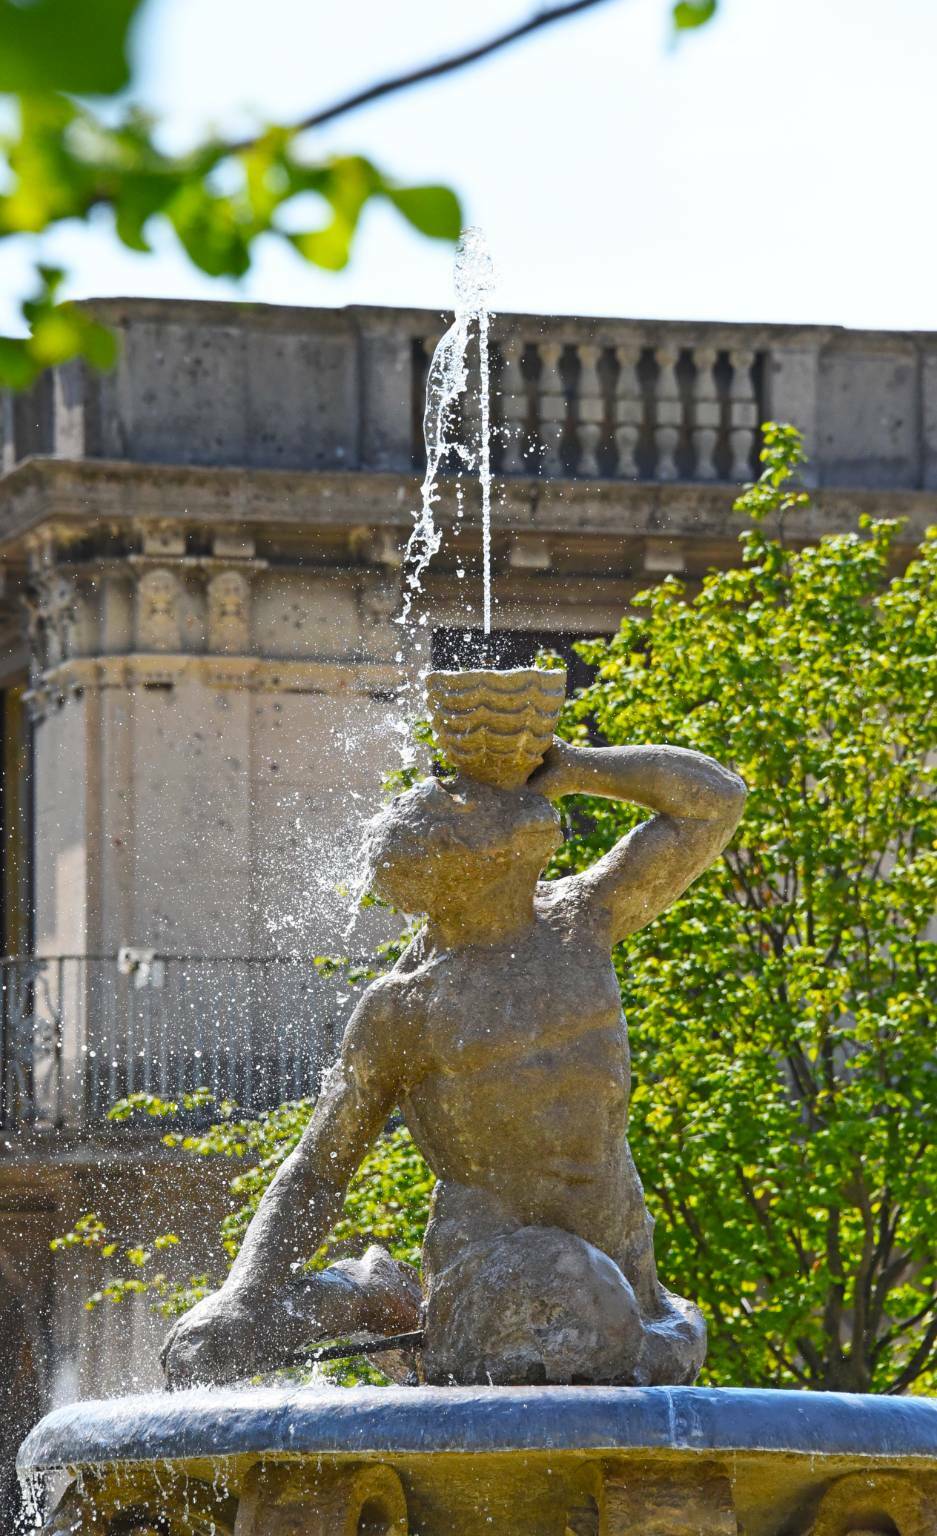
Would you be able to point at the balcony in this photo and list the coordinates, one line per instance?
(263, 387)
(81, 1031)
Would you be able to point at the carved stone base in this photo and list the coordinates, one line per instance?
(545, 1461)
(358, 1500)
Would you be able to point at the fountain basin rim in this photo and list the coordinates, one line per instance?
(363, 1421)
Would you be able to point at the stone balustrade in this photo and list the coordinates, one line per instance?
(587, 399)
(582, 405)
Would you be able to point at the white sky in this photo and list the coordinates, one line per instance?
(775, 166)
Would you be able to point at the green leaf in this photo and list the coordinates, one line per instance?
(57, 333)
(79, 46)
(329, 247)
(693, 13)
(434, 211)
(17, 368)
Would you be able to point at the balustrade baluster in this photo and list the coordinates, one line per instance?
(591, 410)
(629, 410)
(513, 406)
(743, 414)
(470, 426)
(706, 413)
(552, 402)
(452, 422)
(669, 413)
(423, 351)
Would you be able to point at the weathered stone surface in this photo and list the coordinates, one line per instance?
(540, 1305)
(205, 383)
(807, 1438)
(883, 1501)
(532, 1461)
(496, 726)
(685, 1501)
(363, 1500)
(373, 1294)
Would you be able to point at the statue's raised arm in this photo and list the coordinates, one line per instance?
(697, 802)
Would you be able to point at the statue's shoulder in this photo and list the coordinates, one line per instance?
(567, 904)
(395, 999)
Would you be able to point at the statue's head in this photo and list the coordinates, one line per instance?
(444, 844)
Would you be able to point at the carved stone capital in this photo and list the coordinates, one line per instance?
(50, 603)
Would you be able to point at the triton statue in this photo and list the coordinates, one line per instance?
(499, 1034)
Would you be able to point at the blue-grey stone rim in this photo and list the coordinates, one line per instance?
(186, 1426)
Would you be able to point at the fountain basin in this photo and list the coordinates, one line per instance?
(542, 1461)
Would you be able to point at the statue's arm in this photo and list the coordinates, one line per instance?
(229, 1328)
(697, 803)
(307, 1194)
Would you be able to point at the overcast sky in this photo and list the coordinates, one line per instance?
(776, 166)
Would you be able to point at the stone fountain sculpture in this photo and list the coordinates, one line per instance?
(499, 1034)
(558, 1367)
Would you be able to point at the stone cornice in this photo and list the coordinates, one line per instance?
(371, 318)
(65, 499)
(253, 673)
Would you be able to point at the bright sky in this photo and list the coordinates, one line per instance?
(776, 166)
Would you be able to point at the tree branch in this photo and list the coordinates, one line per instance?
(918, 1362)
(423, 72)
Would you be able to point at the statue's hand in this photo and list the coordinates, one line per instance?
(224, 1337)
(560, 773)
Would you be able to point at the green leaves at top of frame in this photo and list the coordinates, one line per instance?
(346, 184)
(65, 162)
(65, 45)
(57, 332)
(693, 13)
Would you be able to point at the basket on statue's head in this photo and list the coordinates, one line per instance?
(496, 726)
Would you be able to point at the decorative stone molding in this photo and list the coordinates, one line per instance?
(229, 621)
(233, 546)
(158, 617)
(878, 1501)
(334, 1501)
(259, 674)
(674, 1502)
(163, 540)
(50, 600)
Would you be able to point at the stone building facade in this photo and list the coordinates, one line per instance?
(201, 558)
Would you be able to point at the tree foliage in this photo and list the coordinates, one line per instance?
(66, 160)
(784, 1115)
(387, 1201)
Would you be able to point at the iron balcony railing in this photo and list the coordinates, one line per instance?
(80, 1032)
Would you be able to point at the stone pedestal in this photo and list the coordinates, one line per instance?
(546, 1461)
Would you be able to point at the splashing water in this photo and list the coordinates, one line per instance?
(446, 381)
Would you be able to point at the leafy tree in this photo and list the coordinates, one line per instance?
(784, 1115)
(65, 160)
